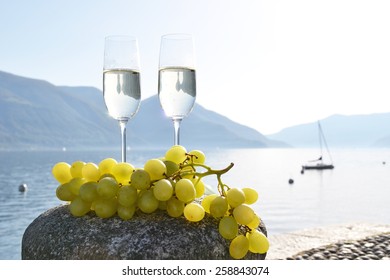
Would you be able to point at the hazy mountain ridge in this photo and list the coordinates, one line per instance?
(369, 130)
(37, 114)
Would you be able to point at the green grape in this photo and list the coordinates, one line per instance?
(64, 193)
(198, 156)
(219, 207)
(91, 172)
(75, 184)
(254, 223)
(140, 179)
(207, 201)
(126, 213)
(105, 208)
(228, 227)
(156, 169)
(122, 172)
(78, 207)
(176, 153)
(88, 191)
(194, 212)
(147, 203)
(163, 190)
(235, 197)
(76, 169)
(199, 188)
(185, 190)
(106, 165)
(243, 214)
(61, 172)
(239, 247)
(127, 196)
(258, 242)
(198, 184)
(175, 207)
(171, 167)
(107, 188)
(251, 195)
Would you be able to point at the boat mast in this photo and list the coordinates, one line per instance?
(322, 138)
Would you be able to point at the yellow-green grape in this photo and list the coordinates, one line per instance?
(107, 188)
(76, 169)
(75, 184)
(175, 207)
(258, 242)
(61, 172)
(239, 247)
(171, 167)
(156, 169)
(163, 190)
(198, 156)
(88, 191)
(147, 203)
(194, 212)
(228, 227)
(254, 223)
(176, 153)
(64, 193)
(243, 214)
(91, 172)
(122, 172)
(235, 197)
(218, 207)
(251, 195)
(105, 208)
(185, 190)
(78, 207)
(199, 188)
(127, 196)
(140, 179)
(207, 201)
(106, 165)
(126, 213)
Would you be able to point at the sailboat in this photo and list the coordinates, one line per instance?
(319, 163)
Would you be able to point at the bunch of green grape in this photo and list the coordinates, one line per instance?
(172, 183)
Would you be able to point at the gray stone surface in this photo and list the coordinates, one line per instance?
(56, 234)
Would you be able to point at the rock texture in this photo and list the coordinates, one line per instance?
(56, 234)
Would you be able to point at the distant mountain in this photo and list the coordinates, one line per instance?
(341, 131)
(35, 114)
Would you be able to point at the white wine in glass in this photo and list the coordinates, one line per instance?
(121, 81)
(176, 78)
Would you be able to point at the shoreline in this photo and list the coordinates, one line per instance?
(286, 245)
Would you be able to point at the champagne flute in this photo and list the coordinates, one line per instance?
(176, 78)
(121, 81)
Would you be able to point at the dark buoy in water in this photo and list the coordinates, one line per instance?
(23, 187)
(290, 181)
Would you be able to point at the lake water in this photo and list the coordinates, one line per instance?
(358, 189)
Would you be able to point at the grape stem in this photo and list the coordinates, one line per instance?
(222, 188)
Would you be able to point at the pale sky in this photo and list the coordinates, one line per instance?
(268, 64)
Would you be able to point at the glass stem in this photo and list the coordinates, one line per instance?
(176, 126)
(122, 124)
